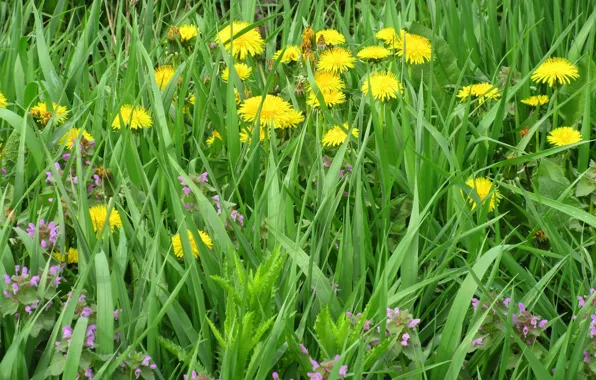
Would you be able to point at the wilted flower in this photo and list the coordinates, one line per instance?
(42, 114)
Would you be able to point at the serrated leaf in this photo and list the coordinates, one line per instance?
(324, 327)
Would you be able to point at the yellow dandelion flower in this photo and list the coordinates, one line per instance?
(292, 53)
(383, 86)
(555, 70)
(337, 135)
(192, 99)
(246, 134)
(3, 101)
(188, 32)
(327, 81)
(69, 137)
(336, 60)
(250, 43)
(177, 243)
(373, 53)
(242, 69)
(564, 136)
(42, 114)
(331, 98)
(99, 214)
(387, 35)
(481, 91)
(331, 36)
(163, 75)
(275, 111)
(135, 117)
(485, 190)
(71, 258)
(536, 100)
(416, 49)
(211, 139)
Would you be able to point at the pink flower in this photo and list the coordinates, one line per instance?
(522, 307)
(478, 342)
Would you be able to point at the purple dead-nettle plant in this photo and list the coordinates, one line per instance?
(527, 326)
(322, 370)
(22, 296)
(46, 233)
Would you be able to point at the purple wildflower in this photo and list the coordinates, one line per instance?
(66, 332)
(137, 373)
(275, 376)
(7, 279)
(304, 350)
(34, 281)
(413, 323)
(146, 361)
(580, 301)
(405, 338)
(478, 342)
(86, 312)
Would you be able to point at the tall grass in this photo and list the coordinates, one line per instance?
(317, 240)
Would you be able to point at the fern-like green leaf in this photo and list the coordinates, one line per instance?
(324, 328)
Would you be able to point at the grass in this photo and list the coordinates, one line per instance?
(312, 244)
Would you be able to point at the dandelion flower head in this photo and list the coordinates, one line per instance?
(69, 137)
(414, 48)
(331, 37)
(3, 101)
(274, 111)
(71, 258)
(536, 100)
(292, 53)
(564, 136)
(42, 114)
(327, 81)
(250, 43)
(383, 86)
(486, 192)
(211, 139)
(336, 60)
(242, 69)
(373, 53)
(99, 213)
(481, 91)
(246, 134)
(135, 117)
(337, 135)
(555, 70)
(331, 98)
(188, 32)
(163, 76)
(177, 243)
(387, 35)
